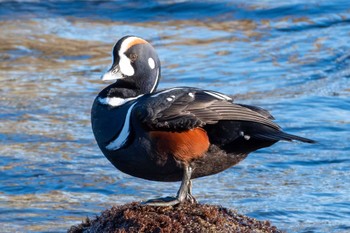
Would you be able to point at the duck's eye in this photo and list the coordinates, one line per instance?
(133, 57)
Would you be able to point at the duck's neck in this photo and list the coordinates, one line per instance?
(121, 89)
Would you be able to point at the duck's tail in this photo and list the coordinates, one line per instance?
(280, 135)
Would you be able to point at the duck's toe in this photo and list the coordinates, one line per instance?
(164, 201)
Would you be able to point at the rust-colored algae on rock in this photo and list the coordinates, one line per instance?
(185, 217)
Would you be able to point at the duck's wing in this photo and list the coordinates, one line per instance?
(181, 109)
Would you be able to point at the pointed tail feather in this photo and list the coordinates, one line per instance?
(298, 138)
(279, 135)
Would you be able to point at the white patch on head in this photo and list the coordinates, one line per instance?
(151, 63)
(169, 99)
(124, 133)
(125, 65)
(124, 62)
(218, 95)
(191, 94)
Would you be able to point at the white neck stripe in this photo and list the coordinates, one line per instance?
(124, 133)
(155, 83)
(116, 101)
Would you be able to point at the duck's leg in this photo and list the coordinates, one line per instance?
(189, 196)
(184, 193)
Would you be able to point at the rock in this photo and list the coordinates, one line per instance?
(186, 217)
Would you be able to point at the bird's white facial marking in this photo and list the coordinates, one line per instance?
(191, 94)
(169, 99)
(151, 63)
(124, 133)
(124, 62)
(125, 66)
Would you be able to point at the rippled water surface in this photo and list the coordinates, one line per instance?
(290, 57)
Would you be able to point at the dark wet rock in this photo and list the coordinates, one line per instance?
(186, 217)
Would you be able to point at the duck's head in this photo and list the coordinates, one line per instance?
(135, 65)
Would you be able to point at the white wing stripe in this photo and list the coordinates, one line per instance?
(218, 95)
(165, 91)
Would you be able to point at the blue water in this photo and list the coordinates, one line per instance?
(290, 57)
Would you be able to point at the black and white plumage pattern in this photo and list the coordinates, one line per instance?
(174, 134)
(186, 108)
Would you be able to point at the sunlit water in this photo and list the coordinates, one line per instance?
(289, 57)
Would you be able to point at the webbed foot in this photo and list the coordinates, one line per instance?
(183, 195)
(164, 201)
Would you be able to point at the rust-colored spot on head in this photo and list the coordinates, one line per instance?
(135, 41)
(184, 146)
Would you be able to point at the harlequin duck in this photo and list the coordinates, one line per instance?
(175, 134)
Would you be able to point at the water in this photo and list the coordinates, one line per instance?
(289, 57)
